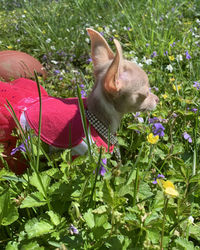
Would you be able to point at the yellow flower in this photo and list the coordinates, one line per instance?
(152, 139)
(10, 47)
(43, 32)
(100, 29)
(165, 96)
(188, 101)
(169, 188)
(171, 58)
(116, 35)
(172, 79)
(176, 87)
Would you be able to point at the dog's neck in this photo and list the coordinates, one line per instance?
(104, 110)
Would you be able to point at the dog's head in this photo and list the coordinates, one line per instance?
(121, 82)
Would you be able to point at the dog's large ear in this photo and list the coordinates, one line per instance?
(112, 81)
(100, 50)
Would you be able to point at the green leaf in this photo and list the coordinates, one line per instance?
(100, 210)
(37, 227)
(187, 245)
(79, 160)
(151, 218)
(35, 151)
(154, 235)
(195, 231)
(125, 189)
(4, 172)
(144, 190)
(33, 245)
(35, 199)
(55, 218)
(100, 220)
(108, 194)
(12, 246)
(89, 218)
(8, 211)
(45, 179)
(132, 218)
(122, 142)
(13, 178)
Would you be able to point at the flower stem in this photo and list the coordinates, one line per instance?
(163, 223)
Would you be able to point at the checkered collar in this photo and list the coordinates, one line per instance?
(103, 131)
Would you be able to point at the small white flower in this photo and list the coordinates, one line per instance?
(179, 58)
(169, 67)
(53, 48)
(190, 219)
(140, 65)
(0, 42)
(54, 62)
(87, 40)
(62, 72)
(107, 29)
(23, 16)
(147, 61)
(48, 40)
(198, 21)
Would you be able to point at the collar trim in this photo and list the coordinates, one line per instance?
(103, 131)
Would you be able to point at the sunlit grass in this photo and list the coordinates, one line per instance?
(70, 205)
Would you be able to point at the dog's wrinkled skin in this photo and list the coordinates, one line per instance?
(120, 85)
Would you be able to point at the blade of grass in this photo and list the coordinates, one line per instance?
(96, 175)
(40, 122)
(84, 122)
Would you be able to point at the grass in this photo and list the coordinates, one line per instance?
(65, 205)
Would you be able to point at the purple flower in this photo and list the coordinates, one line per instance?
(159, 176)
(83, 93)
(102, 169)
(147, 44)
(44, 58)
(155, 88)
(194, 110)
(158, 129)
(196, 85)
(166, 53)
(140, 119)
(89, 60)
(187, 137)
(21, 147)
(73, 230)
(197, 43)
(154, 54)
(137, 131)
(154, 120)
(172, 44)
(187, 55)
(56, 71)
